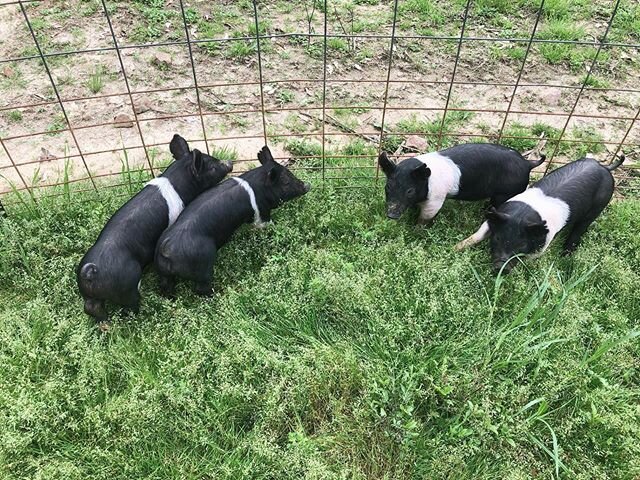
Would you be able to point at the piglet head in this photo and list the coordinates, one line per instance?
(279, 180)
(407, 184)
(203, 171)
(513, 234)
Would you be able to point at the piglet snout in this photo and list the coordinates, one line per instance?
(505, 265)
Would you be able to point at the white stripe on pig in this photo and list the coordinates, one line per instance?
(174, 202)
(444, 181)
(552, 210)
(257, 221)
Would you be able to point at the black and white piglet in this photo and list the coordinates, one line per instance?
(473, 171)
(571, 196)
(112, 268)
(189, 247)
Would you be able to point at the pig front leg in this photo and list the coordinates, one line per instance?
(429, 209)
(203, 273)
(577, 231)
(482, 233)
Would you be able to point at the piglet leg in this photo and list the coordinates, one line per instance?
(429, 209)
(482, 233)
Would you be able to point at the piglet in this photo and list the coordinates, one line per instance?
(112, 268)
(188, 248)
(473, 171)
(570, 197)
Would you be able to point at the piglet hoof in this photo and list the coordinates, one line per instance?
(567, 252)
(425, 222)
(104, 326)
(167, 287)
(203, 289)
(461, 245)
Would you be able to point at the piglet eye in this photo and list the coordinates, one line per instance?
(411, 192)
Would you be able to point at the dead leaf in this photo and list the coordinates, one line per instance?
(122, 120)
(46, 156)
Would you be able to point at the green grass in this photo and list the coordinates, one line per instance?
(57, 123)
(421, 14)
(224, 153)
(430, 129)
(338, 345)
(95, 83)
(14, 116)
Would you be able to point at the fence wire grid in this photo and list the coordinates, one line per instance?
(266, 95)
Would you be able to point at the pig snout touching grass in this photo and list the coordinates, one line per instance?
(188, 248)
(474, 171)
(112, 268)
(570, 197)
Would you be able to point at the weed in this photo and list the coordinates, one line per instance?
(587, 134)
(303, 147)
(95, 83)
(14, 116)
(241, 49)
(594, 81)
(489, 8)
(224, 153)
(58, 123)
(337, 44)
(422, 12)
(285, 96)
(294, 124)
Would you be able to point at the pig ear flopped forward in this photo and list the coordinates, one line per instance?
(421, 171)
(537, 228)
(496, 216)
(386, 165)
(196, 162)
(178, 147)
(273, 174)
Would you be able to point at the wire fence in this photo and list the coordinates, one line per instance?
(330, 166)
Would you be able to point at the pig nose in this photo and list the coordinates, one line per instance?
(230, 165)
(500, 264)
(393, 215)
(307, 187)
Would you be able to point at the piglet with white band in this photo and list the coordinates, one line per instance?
(189, 247)
(112, 268)
(473, 171)
(570, 197)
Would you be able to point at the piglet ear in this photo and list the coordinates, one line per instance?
(421, 171)
(496, 216)
(178, 146)
(273, 175)
(197, 162)
(264, 156)
(386, 165)
(537, 228)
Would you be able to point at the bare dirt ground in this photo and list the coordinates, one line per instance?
(37, 136)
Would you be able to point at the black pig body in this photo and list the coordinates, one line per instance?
(112, 268)
(188, 248)
(570, 197)
(473, 171)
